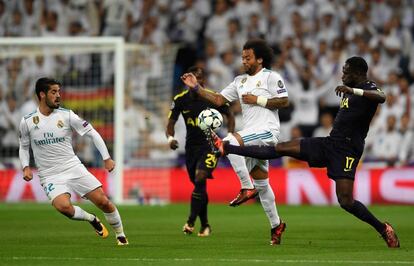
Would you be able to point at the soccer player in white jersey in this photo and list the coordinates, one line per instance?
(48, 130)
(261, 93)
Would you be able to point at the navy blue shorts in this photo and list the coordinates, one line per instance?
(338, 156)
(200, 157)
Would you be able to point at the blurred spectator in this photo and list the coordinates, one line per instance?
(390, 107)
(31, 11)
(290, 162)
(387, 143)
(15, 26)
(236, 37)
(3, 18)
(378, 70)
(49, 25)
(406, 149)
(326, 123)
(186, 23)
(117, 17)
(216, 26)
(10, 119)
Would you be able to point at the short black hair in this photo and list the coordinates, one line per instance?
(261, 50)
(357, 65)
(43, 84)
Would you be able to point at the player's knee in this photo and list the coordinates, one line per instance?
(200, 178)
(65, 209)
(105, 205)
(345, 201)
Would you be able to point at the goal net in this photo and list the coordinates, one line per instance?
(123, 90)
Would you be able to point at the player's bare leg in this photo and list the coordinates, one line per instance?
(238, 163)
(344, 192)
(63, 204)
(99, 198)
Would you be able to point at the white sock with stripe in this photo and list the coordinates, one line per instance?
(114, 219)
(239, 165)
(267, 199)
(81, 215)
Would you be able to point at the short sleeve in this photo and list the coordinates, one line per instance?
(78, 124)
(230, 92)
(276, 86)
(174, 110)
(24, 136)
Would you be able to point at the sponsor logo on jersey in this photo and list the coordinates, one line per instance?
(281, 91)
(186, 111)
(280, 84)
(48, 138)
(60, 124)
(85, 123)
(243, 80)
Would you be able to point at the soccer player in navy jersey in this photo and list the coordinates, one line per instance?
(199, 158)
(341, 151)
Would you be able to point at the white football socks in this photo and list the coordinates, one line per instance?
(82, 215)
(267, 199)
(114, 219)
(239, 165)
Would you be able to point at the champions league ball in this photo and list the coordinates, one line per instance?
(210, 118)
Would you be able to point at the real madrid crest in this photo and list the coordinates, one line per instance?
(258, 84)
(60, 124)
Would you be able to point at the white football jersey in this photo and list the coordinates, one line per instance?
(51, 139)
(266, 83)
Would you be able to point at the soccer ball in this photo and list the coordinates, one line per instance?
(210, 118)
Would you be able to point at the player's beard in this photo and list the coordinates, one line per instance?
(251, 70)
(53, 105)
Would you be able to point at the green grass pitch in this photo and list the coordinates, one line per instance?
(35, 234)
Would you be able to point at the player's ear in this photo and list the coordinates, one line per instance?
(260, 60)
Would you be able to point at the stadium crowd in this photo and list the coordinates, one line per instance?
(311, 40)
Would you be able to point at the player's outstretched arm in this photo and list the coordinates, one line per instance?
(373, 95)
(215, 98)
(103, 150)
(272, 104)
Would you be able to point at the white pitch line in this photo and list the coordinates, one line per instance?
(220, 260)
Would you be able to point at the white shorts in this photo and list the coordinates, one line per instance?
(260, 137)
(78, 179)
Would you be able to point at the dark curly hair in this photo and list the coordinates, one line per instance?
(43, 84)
(261, 50)
(357, 65)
